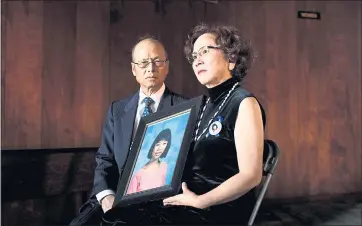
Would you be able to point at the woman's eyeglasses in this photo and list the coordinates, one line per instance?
(201, 52)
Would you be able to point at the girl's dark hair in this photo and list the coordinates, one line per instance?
(235, 48)
(163, 135)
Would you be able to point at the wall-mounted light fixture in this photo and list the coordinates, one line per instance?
(313, 15)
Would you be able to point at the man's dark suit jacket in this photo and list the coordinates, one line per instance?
(112, 154)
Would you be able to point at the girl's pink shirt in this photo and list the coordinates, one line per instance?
(148, 178)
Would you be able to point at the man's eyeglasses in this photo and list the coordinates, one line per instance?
(201, 52)
(144, 64)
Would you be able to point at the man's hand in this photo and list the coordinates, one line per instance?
(107, 202)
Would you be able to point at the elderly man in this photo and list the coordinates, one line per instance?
(150, 66)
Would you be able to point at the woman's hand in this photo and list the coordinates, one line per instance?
(187, 198)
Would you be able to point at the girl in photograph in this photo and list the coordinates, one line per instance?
(153, 173)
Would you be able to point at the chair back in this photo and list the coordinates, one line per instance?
(270, 160)
(270, 157)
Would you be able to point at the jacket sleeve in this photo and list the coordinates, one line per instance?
(106, 172)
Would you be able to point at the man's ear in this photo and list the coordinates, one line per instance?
(133, 69)
(167, 67)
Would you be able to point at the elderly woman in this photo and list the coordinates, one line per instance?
(225, 163)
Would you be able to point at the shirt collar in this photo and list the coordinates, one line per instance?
(155, 96)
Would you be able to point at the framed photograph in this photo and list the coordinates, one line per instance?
(158, 154)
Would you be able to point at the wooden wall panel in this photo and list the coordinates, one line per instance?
(21, 74)
(2, 50)
(58, 75)
(91, 89)
(285, 70)
(307, 75)
(343, 107)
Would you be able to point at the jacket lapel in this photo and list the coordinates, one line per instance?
(128, 118)
(166, 100)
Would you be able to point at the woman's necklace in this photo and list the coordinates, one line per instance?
(217, 112)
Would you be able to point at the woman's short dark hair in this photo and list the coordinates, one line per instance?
(163, 135)
(236, 48)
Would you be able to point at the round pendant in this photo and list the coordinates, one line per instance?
(215, 128)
